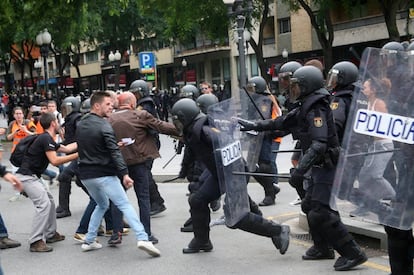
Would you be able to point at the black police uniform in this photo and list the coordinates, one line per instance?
(156, 200)
(313, 124)
(65, 177)
(198, 138)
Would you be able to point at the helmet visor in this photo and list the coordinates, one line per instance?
(294, 90)
(178, 124)
(251, 87)
(66, 109)
(284, 80)
(332, 79)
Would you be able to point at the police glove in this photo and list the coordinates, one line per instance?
(247, 125)
(296, 177)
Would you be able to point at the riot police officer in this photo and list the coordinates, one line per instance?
(401, 241)
(145, 102)
(313, 121)
(198, 136)
(267, 158)
(70, 108)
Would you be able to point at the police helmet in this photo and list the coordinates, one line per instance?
(86, 106)
(183, 112)
(140, 87)
(289, 68)
(189, 91)
(70, 105)
(285, 73)
(305, 81)
(257, 84)
(204, 101)
(341, 75)
(393, 46)
(411, 46)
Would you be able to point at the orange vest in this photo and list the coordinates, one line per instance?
(20, 134)
(39, 128)
(276, 112)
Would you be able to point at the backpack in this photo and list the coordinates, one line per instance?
(16, 158)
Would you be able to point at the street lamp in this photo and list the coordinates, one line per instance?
(240, 12)
(115, 59)
(38, 67)
(43, 39)
(285, 54)
(184, 64)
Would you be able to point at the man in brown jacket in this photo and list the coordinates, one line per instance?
(138, 148)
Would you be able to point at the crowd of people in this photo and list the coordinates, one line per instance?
(111, 140)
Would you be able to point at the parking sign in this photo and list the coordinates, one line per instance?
(146, 62)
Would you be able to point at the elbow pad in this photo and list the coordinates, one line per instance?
(313, 155)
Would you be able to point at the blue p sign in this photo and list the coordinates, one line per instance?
(146, 62)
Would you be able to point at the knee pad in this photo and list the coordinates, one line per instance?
(306, 206)
(196, 201)
(65, 177)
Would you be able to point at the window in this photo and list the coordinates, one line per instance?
(284, 25)
(91, 57)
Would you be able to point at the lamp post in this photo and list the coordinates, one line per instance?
(285, 54)
(38, 67)
(43, 39)
(115, 59)
(184, 64)
(240, 12)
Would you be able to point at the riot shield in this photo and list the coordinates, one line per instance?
(253, 107)
(375, 169)
(230, 148)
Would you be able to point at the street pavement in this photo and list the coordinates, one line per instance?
(235, 251)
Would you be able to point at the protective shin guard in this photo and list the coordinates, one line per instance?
(258, 225)
(200, 215)
(64, 194)
(400, 242)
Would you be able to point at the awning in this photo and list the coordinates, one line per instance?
(50, 81)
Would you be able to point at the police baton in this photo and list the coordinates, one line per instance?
(287, 151)
(254, 103)
(371, 153)
(168, 162)
(170, 180)
(261, 174)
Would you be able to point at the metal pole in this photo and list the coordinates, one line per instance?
(240, 31)
(117, 63)
(45, 52)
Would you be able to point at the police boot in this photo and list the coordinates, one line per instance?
(258, 225)
(351, 256)
(314, 253)
(188, 226)
(270, 191)
(200, 242)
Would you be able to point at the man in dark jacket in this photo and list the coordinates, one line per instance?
(100, 164)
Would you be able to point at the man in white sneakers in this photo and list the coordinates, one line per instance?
(100, 164)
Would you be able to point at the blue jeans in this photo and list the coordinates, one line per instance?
(3, 229)
(140, 174)
(102, 190)
(86, 217)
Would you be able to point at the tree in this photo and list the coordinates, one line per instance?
(389, 9)
(319, 15)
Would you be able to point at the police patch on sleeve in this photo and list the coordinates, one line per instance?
(334, 105)
(318, 122)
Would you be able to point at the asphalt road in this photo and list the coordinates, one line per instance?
(235, 251)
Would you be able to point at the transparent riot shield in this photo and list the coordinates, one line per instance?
(375, 171)
(253, 107)
(230, 147)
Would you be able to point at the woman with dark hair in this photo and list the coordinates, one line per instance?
(372, 172)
